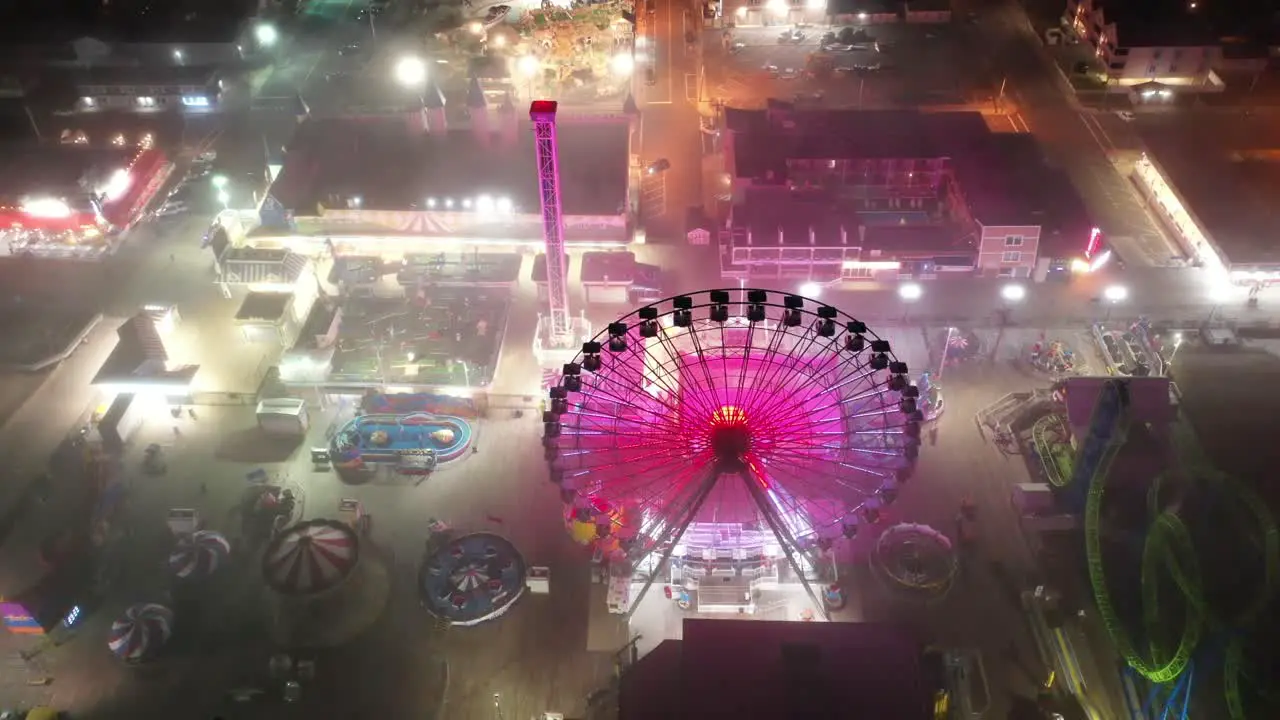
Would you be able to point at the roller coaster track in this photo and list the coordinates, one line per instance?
(1048, 434)
(1169, 552)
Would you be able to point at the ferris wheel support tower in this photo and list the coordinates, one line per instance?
(556, 330)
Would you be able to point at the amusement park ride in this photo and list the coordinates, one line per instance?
(1172, 557)
(558, 333)
(725, 447)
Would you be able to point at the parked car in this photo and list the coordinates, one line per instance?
(794, 35)
(171, 208)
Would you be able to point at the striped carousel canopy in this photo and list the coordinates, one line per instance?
(199, 554)
(143, 630)
(310, 557)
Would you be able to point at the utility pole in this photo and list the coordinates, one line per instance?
(999, 100)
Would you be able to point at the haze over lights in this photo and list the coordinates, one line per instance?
(623, 64)
(52, 208)
(410, 71)
(810, 290)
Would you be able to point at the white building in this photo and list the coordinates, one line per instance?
(1165, 42)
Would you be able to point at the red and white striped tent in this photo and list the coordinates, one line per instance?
(311, 557)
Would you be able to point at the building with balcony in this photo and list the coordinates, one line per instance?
(826, 196)
(145, 89)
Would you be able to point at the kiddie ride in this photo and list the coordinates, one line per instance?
(414, 443)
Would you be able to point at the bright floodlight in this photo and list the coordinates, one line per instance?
(484, 204)
(499, 41)
(504, 206)
(116, 185)
(46, 208)
(1013, 293)
(817, 4)
(411, 71)
(778, 7)
(1116, 293)
(623, 64)
(910, 292)
(528, 65)
(266, 35)
(476, 28)
(810, 290)
(219, 181)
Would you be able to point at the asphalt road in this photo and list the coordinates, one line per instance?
(670, 122)
(1067, 137)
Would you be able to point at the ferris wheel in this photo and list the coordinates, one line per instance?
(731, 432)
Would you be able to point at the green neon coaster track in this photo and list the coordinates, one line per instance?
(1168, 552)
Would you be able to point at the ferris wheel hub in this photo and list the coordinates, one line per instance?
(730, 443)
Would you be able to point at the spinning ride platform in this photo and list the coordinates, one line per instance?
(472, 579)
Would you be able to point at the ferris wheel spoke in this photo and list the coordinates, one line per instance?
(702, 396)
(786, 368)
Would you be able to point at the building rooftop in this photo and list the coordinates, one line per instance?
(264, 307)
(766, 139)
(55, 169)
(389, 166)
(140, 21)
(759, 669)
(168, 75)
(1231, 192)
(1006, 181)
(1176, 23)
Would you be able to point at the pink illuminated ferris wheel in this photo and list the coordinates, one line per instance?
(730, 432)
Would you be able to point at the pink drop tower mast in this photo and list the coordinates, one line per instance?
(543, 113)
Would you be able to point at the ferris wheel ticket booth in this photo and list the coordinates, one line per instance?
(722, 457)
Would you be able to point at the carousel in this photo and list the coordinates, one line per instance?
(141, 632)
(199, 555)
(326, 589)
(472, 579)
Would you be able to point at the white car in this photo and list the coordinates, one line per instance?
(172, 208)
(1126, 116)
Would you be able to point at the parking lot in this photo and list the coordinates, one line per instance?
(891, 65)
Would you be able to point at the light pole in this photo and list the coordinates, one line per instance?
(1012, 294)
(266, 35)
(220, 190)
(1113, 295)
(1177, 343)
(529, 66)
(909, 293)
(411, 72)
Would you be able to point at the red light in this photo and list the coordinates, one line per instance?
(729, 415)
(543, 107)
(1095, 240)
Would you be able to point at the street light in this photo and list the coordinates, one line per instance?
(219, 181)
(811, 290)
(411, 71)
(623, 64)
(1013, 293)
(528, 66)
(1114, 294)
(909, 292)
(266, 35)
